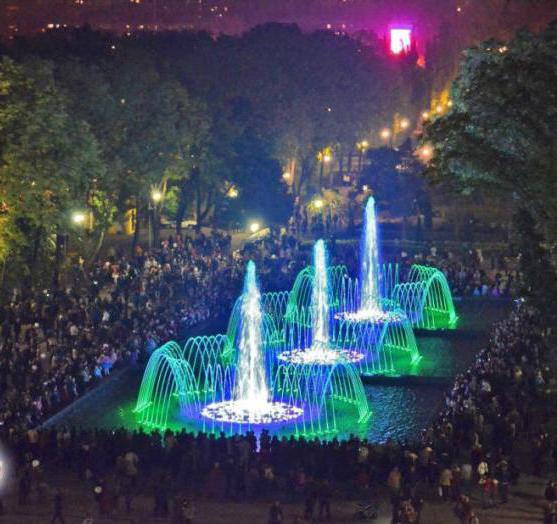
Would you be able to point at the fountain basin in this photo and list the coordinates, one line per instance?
(376, 316)
(246, 412)
(322, 356)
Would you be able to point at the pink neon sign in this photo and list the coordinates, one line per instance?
(401, 39)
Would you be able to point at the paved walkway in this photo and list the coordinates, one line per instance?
(525, 506)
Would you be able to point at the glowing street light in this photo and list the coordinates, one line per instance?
(404, 123)
(78, 218)
(425, 115)
(156, 195)
(326, 158)
(232, 193)
(365, 144)
(287, 175)
(254, 227)
(318, 203)
(425, 153)
(385, 133)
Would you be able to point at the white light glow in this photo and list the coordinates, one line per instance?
(371, 315)
(322, 356)
(245, 412)
(78, 218)
(401, 40)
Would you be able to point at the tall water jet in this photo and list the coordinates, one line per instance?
(370, 299)
(321, 351)
(320, 296)
(251, 383)
(370, 304)
(251, 401)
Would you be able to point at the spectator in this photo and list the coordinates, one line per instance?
(57, 513)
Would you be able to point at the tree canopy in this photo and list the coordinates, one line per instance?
(500, 134)
(98, 123)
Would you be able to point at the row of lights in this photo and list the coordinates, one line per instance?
(79, 217)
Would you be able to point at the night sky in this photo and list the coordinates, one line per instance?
(470, 19)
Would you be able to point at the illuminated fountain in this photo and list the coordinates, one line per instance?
(320, 350)
(229, 382)
(371, 306)
(250, 401)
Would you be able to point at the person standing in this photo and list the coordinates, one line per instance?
(324, 500)
(275, 513)
(466, 475)
(188, 512)
(445, 480)
(57, 514)
(504, 478)
(310, 498)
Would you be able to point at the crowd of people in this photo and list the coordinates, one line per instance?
(468, 271)
(57, 344)
(469, 448)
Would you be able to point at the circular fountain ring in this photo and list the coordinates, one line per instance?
(375, 316)
(244, 412)
(322, 356)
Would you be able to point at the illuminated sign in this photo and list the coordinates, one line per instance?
(401, 39)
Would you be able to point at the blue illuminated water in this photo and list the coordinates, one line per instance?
(399, 411)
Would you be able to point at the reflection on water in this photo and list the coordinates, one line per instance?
(399, 411)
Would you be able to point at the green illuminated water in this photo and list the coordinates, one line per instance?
(399, 411)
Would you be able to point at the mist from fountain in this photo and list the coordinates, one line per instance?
(320, 352)
(370, 303)
(320, 296)
(251, 383)
(370, 295)
(251, 401)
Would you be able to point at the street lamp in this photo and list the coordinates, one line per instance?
(78, 218)
(425, 153)
(318, 203)
(425, 115)
(324, 158)
(156, 195)
(232, 193)
(387, 136)
(362, 147)
(254, 227)
(286, 175)
(404, 124)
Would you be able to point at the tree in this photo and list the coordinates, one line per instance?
(47, 159)
(394, 176)
(499, 135)
(89, 98)
(260, 192)
(540, 280)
